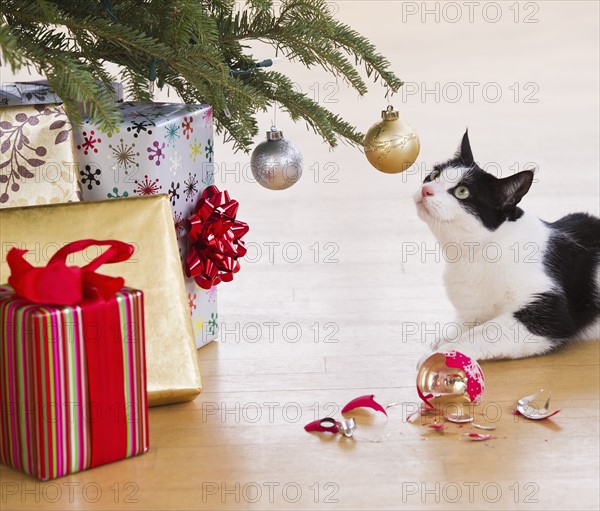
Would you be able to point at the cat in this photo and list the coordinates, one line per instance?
(520, 286)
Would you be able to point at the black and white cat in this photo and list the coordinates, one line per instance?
(520, 286)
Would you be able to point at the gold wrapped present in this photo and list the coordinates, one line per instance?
(37, 162)
(155, 268)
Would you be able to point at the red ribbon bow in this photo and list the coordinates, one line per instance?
(59, 284)
(215, 239)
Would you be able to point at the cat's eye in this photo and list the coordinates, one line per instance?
(461, 192)
(434, 175)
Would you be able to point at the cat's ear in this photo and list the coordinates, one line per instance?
(464, 152)
(512, 189)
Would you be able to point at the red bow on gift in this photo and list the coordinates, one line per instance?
(59, 284)
(215, 239)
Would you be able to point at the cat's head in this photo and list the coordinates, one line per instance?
(459, 198)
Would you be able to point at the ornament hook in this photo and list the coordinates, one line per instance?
(390, 113)
(347, 427)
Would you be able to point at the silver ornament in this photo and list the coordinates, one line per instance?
(276, 163)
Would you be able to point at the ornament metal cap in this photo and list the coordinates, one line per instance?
(347, 427)
(274, 134)
(389, 114)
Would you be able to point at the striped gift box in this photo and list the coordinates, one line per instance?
(73, 383)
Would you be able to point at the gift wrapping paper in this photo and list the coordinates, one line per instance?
(159, 148)
(155, 267)
(37, 156)
(39, 92)
(74, 384)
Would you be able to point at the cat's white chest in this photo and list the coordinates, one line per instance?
(502, 275)
(478, 292)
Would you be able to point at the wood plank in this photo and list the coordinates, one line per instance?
(241, 444)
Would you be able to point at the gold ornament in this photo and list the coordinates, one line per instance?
(450, 374)
(391, 146)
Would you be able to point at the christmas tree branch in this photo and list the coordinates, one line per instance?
(193, 46)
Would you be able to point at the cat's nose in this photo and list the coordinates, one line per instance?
(426, 190)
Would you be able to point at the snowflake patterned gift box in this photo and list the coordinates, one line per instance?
(158, 148)
(37, 159)
(73, 364)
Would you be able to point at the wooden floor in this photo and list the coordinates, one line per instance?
(351, 294)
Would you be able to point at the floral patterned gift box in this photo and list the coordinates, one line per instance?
(37, 160)
(37, 153)
(158, 148)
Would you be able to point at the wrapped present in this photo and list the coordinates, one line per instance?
(73, 364)
(38, 92)
(155, 267)
(159, 148)
(27, 93)
(37, 159)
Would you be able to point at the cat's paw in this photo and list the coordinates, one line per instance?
(433, 348)
(467, 349)
(435, 345)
